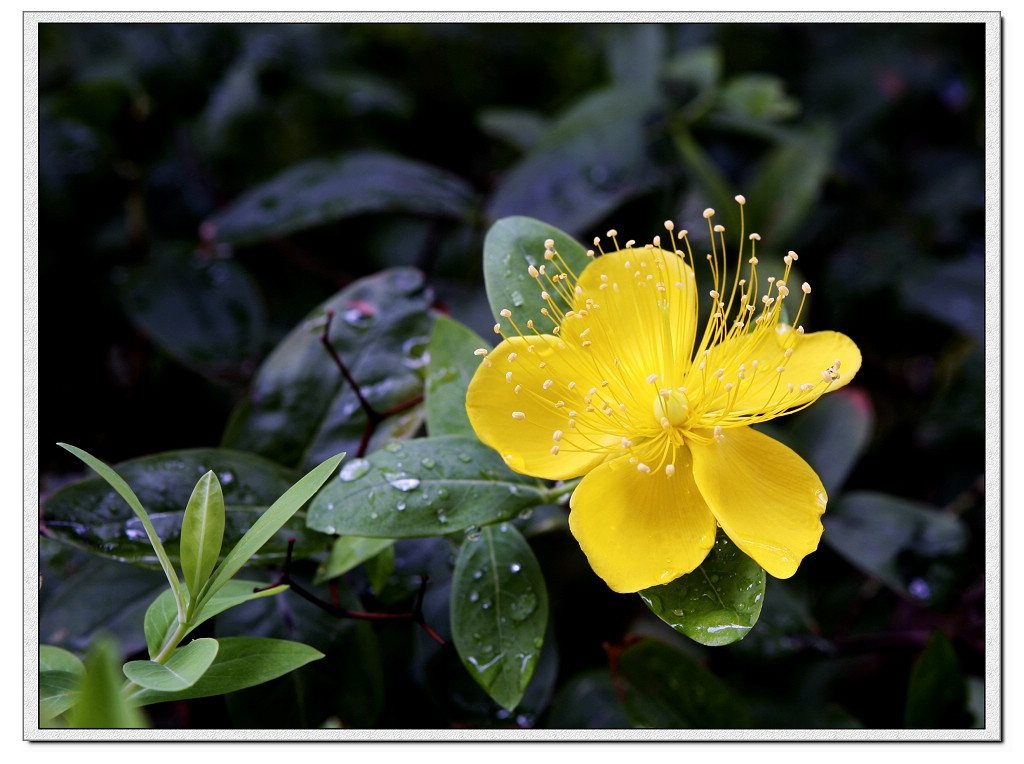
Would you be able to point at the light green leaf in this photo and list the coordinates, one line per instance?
(161, 619)
(202, 532)
(118, 484)
(425, 487)
(347, 552)
(663, 687)
(499, 608)
(379, 569)
(322, 191)
(58, 691)
(241, 662)
(451, 367)
(511, 246)
(183, 669)
(268, 524)
(718, 603)
(758, 96)
(53, 658)
(100, 703)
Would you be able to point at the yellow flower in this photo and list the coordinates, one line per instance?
(621, 390)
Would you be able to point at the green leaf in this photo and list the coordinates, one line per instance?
(718, 603)
(58, 691)
(902, 543)
(379, 569)
(322, 191)
(663, 687)
(241, 662)
(425, 487)
(100, 704)
(937, 693)
(183, 669)
(380, 331)
(347, 552)
(758, 96)
(716, 190)
(90, 515)
(202, 532)
(587, 701)
(510, 247)
(119, 485)
(451, 367)
(499, 608)
(208, 313)
(519, 128)
(700, 67)
(594, 158)
(52, 658)
(161, 619)
(268, 524)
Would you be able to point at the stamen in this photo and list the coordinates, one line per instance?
(480, 351)
(518, 415)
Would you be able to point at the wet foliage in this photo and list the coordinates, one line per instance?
(219, 203)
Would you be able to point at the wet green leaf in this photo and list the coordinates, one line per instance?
(89, 514)
(241, 662)
(323, 191)
(379, 330)
(100, 704)
(161, 618)
(207, 313)
(898, 541)
(592, 160)
(937, 693)
(425, 487)
(499, 610)
(511, 246)
(666, 688)
(718, 603)
(202, 532)
(347, 552)
(182, 670)
(452, 365)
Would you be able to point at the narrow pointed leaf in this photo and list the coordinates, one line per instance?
(499, 609)
(718, 603)
(268, 524)
(182, 670)
(202, 532)
(426, 487)
(118, 484)
(349, 551)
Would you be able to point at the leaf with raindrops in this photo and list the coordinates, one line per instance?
(89, 514)
(451, 367)
(425, 487)
(499, 609)
(718, 603)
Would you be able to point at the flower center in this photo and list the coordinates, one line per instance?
(672, 407)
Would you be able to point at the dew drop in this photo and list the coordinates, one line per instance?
(526, 514)
(400, 506)
(517, 298)
(478, 574)
(474, 596)
(227, 478)
(403, 483)
(515, 567)
(474, 532)
(428, 462)
(465, 458)
(354, 469)
(393, 447)
(522, 607)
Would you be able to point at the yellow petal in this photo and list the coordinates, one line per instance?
(766, 498)
(641, 529)
(639, 311)
(764, 389)
(512, 404)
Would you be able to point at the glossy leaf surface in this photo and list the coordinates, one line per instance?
(182, 670)
(718, 603)
(89, 514)
(512, 245)
(666, 688)
(425, 487)
(499, 611)
(241, 662)
(451, 367)
(323, 191)
(379, 330)
(202, 532)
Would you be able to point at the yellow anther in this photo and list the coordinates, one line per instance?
(508, 377)
(740, 198)
(554, 450)
(497, 328)
(708, 212)
(506, 313)
(643, 468)
(480, 351)
(670, 469)
(518, 415)
(719, 228)
(549, 243)
(806, 287)
(755, 237)
(547, 384)
(512, 357)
